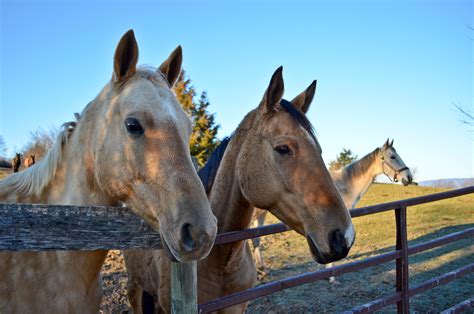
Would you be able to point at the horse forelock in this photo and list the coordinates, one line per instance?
(148, 73)
(32, 181)
(299, 117)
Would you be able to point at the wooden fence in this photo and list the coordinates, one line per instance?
(30, 227)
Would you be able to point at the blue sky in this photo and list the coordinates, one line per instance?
(384, 68)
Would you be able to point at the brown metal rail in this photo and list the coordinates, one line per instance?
(429, 284)
(234, 236)
(460, 308)
(401, 297)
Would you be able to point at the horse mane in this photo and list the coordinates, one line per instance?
(207, 174)
(354, 169)
(32, 181)
(299, 117)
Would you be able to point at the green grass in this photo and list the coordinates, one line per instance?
(287, 255)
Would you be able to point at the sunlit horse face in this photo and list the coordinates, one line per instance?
(146, 153)
(282, 170)
(392, 164)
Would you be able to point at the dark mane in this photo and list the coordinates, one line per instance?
(207, 174)
(299, 117)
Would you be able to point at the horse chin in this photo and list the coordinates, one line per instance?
(317, 256)
(168, 251)
(405, 182)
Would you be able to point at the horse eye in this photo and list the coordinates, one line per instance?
(283, 150)
(133, 126)
(383, 158)
(392, 157)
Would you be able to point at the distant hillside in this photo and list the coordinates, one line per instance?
(455, 183)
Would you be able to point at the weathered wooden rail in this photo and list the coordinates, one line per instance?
(34, 227)
(31, 227)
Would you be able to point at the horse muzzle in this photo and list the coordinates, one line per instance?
(338, 246)
(190, 242)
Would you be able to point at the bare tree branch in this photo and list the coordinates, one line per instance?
(467, 116)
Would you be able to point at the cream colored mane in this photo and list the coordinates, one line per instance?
(32, 181)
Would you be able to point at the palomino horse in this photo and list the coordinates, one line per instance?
(30, 161)
(130, 146)
(16, 162)
(272, 161)
(353, 181)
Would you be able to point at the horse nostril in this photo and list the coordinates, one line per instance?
(187, 237)
(410, 179)
(338, 243)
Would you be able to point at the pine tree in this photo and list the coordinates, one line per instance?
(185, 93)
(203, 139)
(343, 159)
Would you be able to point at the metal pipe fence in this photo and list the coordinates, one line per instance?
(402, 251)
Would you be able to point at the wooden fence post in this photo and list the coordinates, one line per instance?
(403, 307)
(184, 287)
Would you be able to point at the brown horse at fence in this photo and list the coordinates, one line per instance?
(30, 161)
(272, 161)
(16, 162)
(130, 145)
(353, 181)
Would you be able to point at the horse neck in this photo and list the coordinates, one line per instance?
(78, 174)
(68, 185)
(358, 177)
(74, 184)
(232, 210)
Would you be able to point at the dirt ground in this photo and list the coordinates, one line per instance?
(114, 279)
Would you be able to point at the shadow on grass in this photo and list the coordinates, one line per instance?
(432, 263)
(427, 237)
(365, 285)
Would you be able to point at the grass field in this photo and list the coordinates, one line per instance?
(287, 254)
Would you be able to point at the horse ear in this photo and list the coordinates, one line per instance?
(171, 68)
(304, 100)
(391, 143)
(386, 144)
(274, 92)
(126, 57)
